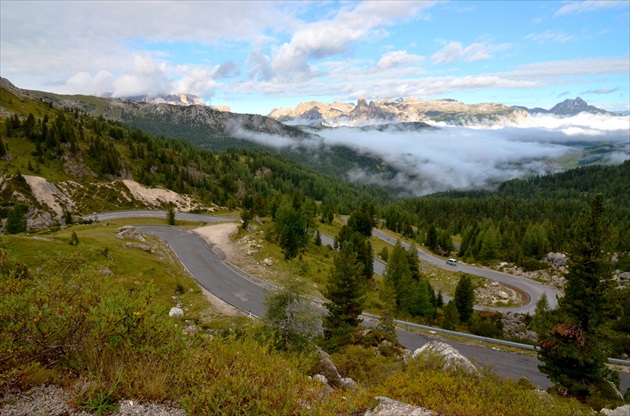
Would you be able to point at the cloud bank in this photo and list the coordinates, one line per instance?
(459, 158)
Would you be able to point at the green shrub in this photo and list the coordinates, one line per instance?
(364, 365)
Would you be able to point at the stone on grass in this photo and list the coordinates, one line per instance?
(389, 407)
(176, 312)
(453, 360)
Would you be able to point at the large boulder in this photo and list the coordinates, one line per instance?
(452, 359)
(389, 407)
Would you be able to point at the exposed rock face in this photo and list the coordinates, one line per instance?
(389, 407)
(49, 195)
(453, 360)
(410, 109)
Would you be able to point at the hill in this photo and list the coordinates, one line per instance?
(64, 160)
(217, 130)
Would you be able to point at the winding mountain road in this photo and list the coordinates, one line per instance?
(205, 264)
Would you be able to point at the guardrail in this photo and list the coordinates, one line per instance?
(414, 325)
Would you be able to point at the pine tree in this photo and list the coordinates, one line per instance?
(16, 220)
(450, 319)
(572, 353)
(432, 238)
(289, 317)
(387, 296)
(345, 292)
(465, 298)
(170, 215)
(74, 239)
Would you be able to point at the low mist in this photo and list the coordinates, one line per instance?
(472, 157)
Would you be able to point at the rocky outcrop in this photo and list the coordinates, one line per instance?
(129, 232)
(326, 370)
(514, 327)
(620, 411)
(389, 407)
(451, 359)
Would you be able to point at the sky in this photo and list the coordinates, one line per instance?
(255, 56)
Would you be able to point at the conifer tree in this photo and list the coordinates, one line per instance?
(345, 292)
(387, 296)
(572, 353)
(465, 298)
(450, 319)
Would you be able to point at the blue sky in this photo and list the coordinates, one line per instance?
(255, 56)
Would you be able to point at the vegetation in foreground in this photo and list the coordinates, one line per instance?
(71, 325)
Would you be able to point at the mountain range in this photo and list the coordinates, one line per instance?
(308, 141)
(413, 109)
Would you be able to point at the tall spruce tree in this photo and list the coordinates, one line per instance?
(345, 292)
(465, 298)
(572, 352)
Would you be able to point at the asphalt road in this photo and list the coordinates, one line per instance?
(205, 264)
(184, 216)
(534, 289)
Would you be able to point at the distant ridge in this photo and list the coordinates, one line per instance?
(568, 107)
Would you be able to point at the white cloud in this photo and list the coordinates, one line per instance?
(455, 51)
(549, 36)
(398, 58)
(462, 157)
(601, 91)
(145, 76)
(588, 6)
(326, 38)
(585, 66)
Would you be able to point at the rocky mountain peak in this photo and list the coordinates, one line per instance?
(574, 106)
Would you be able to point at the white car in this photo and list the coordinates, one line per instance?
(451, 262)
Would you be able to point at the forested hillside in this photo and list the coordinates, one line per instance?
(524, 219)
(69, 145)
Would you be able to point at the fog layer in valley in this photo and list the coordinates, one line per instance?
(472, 157)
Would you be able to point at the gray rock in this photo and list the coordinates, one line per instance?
(557, 260)
(348, 383)
(620, 411)
(176, 312)
(327, 368)
(321, 378)
(453, 360)
(267, 262)
(389, 407)
(129, 232)
(139, 246)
